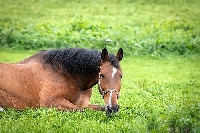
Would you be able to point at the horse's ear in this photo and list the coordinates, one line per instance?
(120, 54)
(104, 55)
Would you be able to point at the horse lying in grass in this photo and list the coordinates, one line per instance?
(62, 79)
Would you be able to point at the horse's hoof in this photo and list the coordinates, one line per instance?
(1, 109)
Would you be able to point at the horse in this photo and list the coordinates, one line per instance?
(62, 79)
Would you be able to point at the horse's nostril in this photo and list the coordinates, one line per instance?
(117, 108)
(111, 110)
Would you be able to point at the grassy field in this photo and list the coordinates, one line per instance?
(158, 95)
(161, 40)
(140, 27)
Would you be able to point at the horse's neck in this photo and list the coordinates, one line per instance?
(86, 82)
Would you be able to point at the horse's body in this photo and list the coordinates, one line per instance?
(56, 78)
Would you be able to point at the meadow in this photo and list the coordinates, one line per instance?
(161, 40)
(140, 27)
(157, 95)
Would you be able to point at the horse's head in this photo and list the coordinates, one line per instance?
(110, 79)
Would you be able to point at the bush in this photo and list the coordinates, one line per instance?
(140, 27)
(158, 38)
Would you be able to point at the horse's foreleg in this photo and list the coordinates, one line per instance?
(64, 104)
(61, 104)
(84, 99)
(96, 107)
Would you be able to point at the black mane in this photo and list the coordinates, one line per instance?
(77, 60)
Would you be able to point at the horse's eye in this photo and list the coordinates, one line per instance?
(102, 76)
(120, 76)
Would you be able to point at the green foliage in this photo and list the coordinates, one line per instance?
(139, 27)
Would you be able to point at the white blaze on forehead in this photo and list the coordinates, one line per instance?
(114, 70)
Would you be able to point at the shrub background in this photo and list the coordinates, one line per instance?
(140, 27)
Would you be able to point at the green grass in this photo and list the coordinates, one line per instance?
(159, 94)
(140, 27)
(9, 56)
(160, 89)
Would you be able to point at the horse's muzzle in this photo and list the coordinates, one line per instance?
(112, 110)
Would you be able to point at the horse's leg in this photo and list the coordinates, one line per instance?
(96, 107)
(61, 104)
(84, 99)
(64, 104)
(55, 94)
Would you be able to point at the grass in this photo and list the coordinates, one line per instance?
(140, 27)
(161, 41)
(159, 94)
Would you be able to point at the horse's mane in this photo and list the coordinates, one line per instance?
(77, 60)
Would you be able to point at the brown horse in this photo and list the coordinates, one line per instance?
(62, 79)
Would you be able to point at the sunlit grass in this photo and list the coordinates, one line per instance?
(11, 56)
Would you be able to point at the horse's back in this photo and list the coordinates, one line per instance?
(16, 85)
(33, 59)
